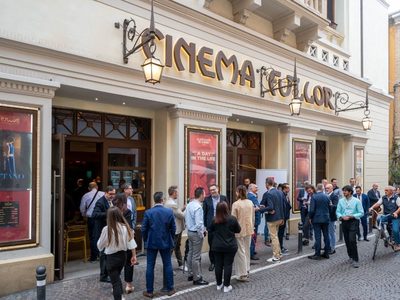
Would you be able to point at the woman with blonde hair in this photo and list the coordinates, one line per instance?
(243, 211)
(116, 238)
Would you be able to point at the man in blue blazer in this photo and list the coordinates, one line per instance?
(100, 221)
(158, 232)
(320, 218)
(364, 219)
(209, 206)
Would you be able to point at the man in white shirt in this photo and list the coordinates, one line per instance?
(196, 232)
(88, 202)
(179, 220)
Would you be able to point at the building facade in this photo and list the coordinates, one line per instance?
(220, 112)
(394, 77)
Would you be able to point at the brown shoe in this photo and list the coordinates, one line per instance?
(148, 295)
(171, 292)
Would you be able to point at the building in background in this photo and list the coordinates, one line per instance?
(394, 89)
(214, 118)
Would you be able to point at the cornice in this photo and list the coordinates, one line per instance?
(356, 139)
(27, 86)
(294, 129)
(198, 113)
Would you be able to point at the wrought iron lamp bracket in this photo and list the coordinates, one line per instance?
(138, 39)
(342, 103)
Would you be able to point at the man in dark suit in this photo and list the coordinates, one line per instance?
(287, 208)
(319, 216)
(334, 200)
(272, 204)
(209, 207)
(374, 195)
(100, 221)
(158, 232)
(364, 219)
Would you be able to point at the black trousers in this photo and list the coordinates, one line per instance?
(281, 233)
(210, 253)
(223, 264)
(94, 252)
(103, 266)
(349, 229)
(128, 269)
(115, 262)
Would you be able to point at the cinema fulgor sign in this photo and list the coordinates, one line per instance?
(211, 64)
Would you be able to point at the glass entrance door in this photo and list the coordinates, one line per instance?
(57, 205)
(243, 158)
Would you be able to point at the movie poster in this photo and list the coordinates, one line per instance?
(17, 197)
(202, 159)
(302, 168)
(359, 165)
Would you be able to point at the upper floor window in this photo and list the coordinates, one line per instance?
(331, 13)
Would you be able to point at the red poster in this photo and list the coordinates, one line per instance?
(202, 160)
(302, 159)
(17, 198)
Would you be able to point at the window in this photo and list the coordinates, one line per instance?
(313, 51)
(331, 13)
(325, 56)
(345, 65)
(336, 61)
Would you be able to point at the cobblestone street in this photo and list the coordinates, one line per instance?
(294, 278)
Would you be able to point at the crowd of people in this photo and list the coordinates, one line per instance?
(231, 228)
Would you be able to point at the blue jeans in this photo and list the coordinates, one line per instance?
(332, 234)
(253, 241)
(167, 265)
(318, 228)
(395, 226)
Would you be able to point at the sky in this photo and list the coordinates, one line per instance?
(394, 5)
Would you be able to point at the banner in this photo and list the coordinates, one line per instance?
(279, 176)
(202, 159)
(17, 164)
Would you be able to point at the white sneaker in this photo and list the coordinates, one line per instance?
(227, 289)
(219, 287)
(273, 260)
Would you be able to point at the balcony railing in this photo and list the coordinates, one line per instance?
(316, 6)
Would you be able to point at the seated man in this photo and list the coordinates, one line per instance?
(391, 211)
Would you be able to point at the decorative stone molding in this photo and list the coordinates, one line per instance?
(242, 9)
(305, 38)
(27, 86)
(282, 35)
(356, 139)
(207, 3)
(198, 114)
(291, 129)
(241, 16)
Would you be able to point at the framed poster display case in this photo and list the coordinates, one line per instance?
(202, 159)
(19, 173)
(302, 168)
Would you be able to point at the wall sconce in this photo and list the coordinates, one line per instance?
(268, 75)
(152, 67)
(343, 99)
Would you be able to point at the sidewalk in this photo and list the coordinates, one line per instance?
(89, 287)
